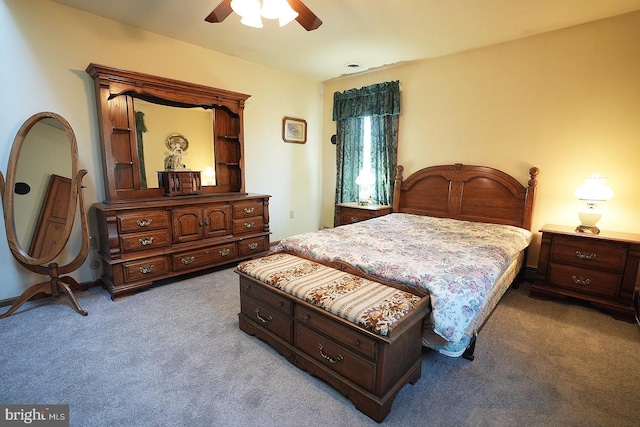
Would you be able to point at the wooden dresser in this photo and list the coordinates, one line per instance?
(599, 268)
(142, 242)
(348, 213)
(185, 222)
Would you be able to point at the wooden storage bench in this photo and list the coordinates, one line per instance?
(360, 336)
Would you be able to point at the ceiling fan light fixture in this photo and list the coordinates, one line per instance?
(287, 14)
(271, 8)
(249, 11)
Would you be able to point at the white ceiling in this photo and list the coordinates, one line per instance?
(372, 33)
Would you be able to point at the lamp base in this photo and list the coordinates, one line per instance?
(585, 228)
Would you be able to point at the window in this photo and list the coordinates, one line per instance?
(367, 141)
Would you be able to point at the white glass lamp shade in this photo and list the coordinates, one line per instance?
(249, 10)
(365, 181)
(592, 193)
(286, 14)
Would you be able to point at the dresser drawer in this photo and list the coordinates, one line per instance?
(589, 253)
(336, 357)
(200, 257)
(349, 337)
(251, 246)
(585, 280)
(248, 288)
(145, 269)
(268, 317)
(248, 209)
(145, 241)
(143, 221)
(248, 225)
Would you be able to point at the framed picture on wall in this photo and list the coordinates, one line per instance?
(294, 130)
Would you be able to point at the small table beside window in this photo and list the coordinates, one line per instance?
(348, 213)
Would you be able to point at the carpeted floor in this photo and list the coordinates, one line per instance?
(174, 356)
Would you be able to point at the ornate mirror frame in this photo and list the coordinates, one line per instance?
(44, 265)
(115, 92)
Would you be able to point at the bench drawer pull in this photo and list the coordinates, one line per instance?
(249, 210)
(144, 222)
(224, 252)
(329, 359)
(253, 246)
(249, 224)
(262, 319)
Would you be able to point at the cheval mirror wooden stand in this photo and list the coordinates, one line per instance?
(43, 177)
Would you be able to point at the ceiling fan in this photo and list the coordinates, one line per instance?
(305, 17)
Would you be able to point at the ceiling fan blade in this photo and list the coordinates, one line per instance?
(306, 18)
(220, 13)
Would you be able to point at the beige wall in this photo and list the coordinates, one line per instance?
(44, 51)
(567, 102)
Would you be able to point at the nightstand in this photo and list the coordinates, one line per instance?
(348, 213)
(599, 268)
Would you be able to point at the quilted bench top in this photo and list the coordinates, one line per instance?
(370, 305)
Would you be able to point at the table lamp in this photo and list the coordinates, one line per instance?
(592, 192)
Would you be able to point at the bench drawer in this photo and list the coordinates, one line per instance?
(268, 317)
(336, 357)
(347, 336)
(265, 296)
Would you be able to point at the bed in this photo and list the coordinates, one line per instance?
(457, 232)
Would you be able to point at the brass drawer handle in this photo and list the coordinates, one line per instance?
(262, 319)
(144, 222)
(249, 210)
(249, 224)
(187, 261)
(580, 280)
(146, 269)
(253, 246)
(225, 252)
(585, 255)
(146, 241)
(354, 219)
(329, 359)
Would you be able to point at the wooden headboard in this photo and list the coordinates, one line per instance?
(470, 193)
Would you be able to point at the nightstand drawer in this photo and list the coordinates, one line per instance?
(585, 280)
(589, 253)
(350, 216)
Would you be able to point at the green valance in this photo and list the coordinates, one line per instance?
(380, 99)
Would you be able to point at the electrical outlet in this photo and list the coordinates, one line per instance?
(291, 214)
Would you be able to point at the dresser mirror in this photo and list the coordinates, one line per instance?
(161, 127)
(40, 197)
(133, 144)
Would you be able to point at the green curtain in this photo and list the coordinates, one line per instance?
(381, 102)
(140, 129)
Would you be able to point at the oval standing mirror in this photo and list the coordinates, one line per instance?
(40, 198)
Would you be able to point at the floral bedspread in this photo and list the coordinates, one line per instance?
(456, 262)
